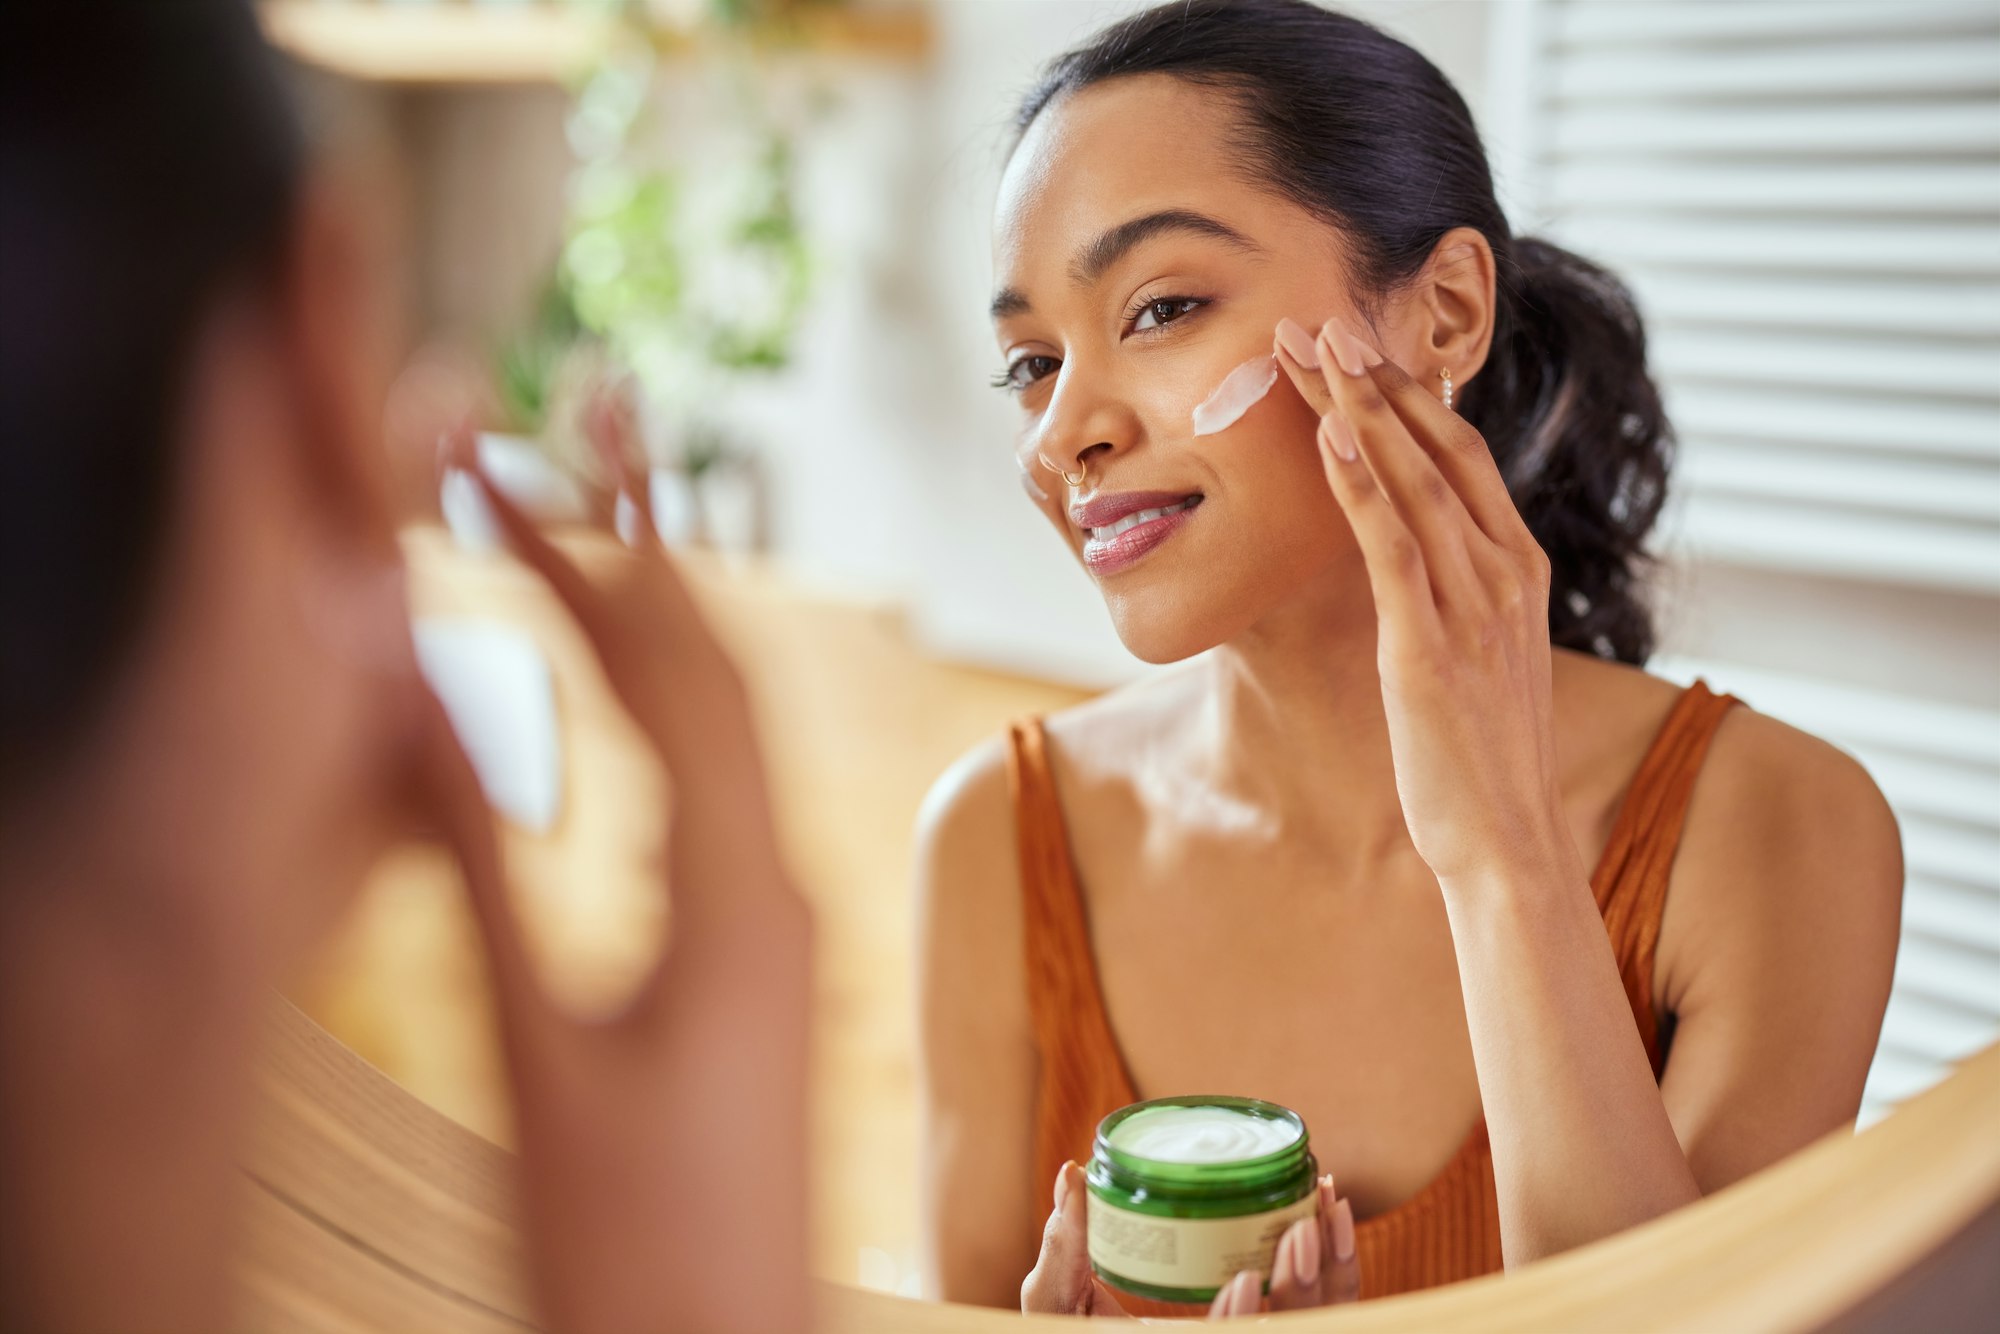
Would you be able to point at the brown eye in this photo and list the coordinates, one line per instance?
(1163, 312)
(1024, 372)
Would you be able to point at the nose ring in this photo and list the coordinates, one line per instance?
(1074, 483)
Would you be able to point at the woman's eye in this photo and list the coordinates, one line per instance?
(1024, 372)
(1164, 311)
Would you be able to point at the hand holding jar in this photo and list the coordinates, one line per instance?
(1190, 1202)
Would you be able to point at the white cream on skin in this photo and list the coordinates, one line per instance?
(1200, 1135)
(1239, 391)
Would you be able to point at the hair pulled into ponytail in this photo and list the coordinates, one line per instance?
(1576, 426)
(1361, 130)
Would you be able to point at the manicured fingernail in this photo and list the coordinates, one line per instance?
(1246, 1291)
(1062, 1187)
(1287, 1262)
(1306, 1258)
(1352, 355)
(1343, 1231)
(1298, 344)
(1338, 438)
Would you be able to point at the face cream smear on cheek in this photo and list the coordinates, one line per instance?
(1184, 1193)
(1237, 394)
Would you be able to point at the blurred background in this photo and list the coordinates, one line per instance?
(775, 216)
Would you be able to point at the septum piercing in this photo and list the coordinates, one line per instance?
(1446, 373)
(1074, 483)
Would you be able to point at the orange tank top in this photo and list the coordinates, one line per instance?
(1450, 1229)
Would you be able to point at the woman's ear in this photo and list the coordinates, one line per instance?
(1452, 312)
(336, 315)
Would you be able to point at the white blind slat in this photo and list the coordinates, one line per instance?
(1943, 1034)
(1953, 913)
(1848, 70)
(1956, 370)
(1948, 974)
(1918, 248)
(1778, 303)
(1858, 189)
(1954, 491)
(1935, 849)
(1877, 550)
(1717, 25)
(1834, 420)
(1894, 130)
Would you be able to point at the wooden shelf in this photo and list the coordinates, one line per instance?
(460, 43)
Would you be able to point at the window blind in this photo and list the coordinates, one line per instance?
(1805, 198)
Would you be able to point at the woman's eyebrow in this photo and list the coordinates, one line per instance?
(1108, 248)
(1092, 260)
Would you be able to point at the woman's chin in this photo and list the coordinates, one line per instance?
(1166, 634)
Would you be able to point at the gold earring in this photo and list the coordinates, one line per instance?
(1074, 483)
(1446, 373)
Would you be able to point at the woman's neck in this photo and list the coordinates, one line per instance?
(1296, 725)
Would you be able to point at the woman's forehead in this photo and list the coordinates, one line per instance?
(1111, 151)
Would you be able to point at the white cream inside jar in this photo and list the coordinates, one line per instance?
(1201, 1135)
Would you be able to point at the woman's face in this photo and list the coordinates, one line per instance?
(1137, 266)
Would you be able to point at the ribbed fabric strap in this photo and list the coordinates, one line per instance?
(1638, 860)
(1083, 1076)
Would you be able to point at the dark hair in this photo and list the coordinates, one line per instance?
(1361, 130)
(149, 156)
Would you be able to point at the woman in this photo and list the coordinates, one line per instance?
(211, 724)
(1541, 946)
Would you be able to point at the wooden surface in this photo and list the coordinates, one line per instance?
(454, 43)
(372, 1211)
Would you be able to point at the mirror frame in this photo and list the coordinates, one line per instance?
(367, 1208)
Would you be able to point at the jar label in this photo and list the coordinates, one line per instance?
(1187, 1252)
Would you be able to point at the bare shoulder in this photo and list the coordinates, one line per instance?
(1767, 792)
(977, 1058)
(1774, 800)
(1777, 945)
(1789, 863)
(967, 867)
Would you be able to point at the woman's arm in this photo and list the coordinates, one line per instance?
(978, 1067)
(1777, 959)
(1583, 1143)
(1779, 947)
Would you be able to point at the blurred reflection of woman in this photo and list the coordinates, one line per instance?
(1540, 945)
(210, 725)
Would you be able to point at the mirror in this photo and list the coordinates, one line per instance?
(1230, 866)
(1847, 609)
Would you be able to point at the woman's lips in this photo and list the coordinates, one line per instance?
(1116, 546)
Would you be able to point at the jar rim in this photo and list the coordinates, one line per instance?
(1233, 1168)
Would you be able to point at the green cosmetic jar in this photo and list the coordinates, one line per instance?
(1185, 1193)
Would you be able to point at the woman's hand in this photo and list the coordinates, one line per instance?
(1315, 1263)
(1461, 598)
(662, 1150)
